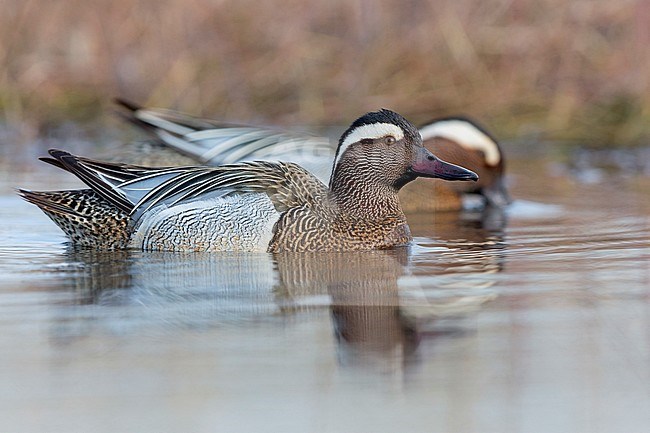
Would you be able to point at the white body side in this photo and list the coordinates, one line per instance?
(233, 223)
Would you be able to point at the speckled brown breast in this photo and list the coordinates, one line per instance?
(302, 229)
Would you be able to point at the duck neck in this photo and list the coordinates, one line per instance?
(364, 197)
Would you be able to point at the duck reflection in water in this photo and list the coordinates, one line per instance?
(379, 314)
(364, 299)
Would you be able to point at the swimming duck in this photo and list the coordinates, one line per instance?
(252, 206)
(458, 140)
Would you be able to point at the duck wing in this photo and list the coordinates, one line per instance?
(136, 189)
(216, 143)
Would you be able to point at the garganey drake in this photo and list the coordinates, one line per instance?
(183, 139)
(252, 206)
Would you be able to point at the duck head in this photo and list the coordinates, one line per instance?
(383, 148)
(461, 140)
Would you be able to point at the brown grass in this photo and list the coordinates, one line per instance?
(572, 69)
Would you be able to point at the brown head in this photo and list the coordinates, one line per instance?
(382, 150)
(460, 140)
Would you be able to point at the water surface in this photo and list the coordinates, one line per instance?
(534, 321)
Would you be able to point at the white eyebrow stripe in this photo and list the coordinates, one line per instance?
(372, 131)
(466, 135)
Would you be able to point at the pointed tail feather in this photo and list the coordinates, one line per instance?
(90, 177)
(131, 106)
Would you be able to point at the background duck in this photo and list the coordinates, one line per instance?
(252, 206)
(183, 139)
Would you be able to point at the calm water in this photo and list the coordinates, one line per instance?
(534, 321)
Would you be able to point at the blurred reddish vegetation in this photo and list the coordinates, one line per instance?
(577, 70)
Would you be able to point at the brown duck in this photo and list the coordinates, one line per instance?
(252, 206)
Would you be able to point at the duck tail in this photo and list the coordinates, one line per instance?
(84, 216)
(129, 112)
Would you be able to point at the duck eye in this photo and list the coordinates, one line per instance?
(389, 139)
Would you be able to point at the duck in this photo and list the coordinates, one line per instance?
(268, 206)
(181, 139)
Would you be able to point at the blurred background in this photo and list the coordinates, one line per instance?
(529, 319)
(570, 71)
